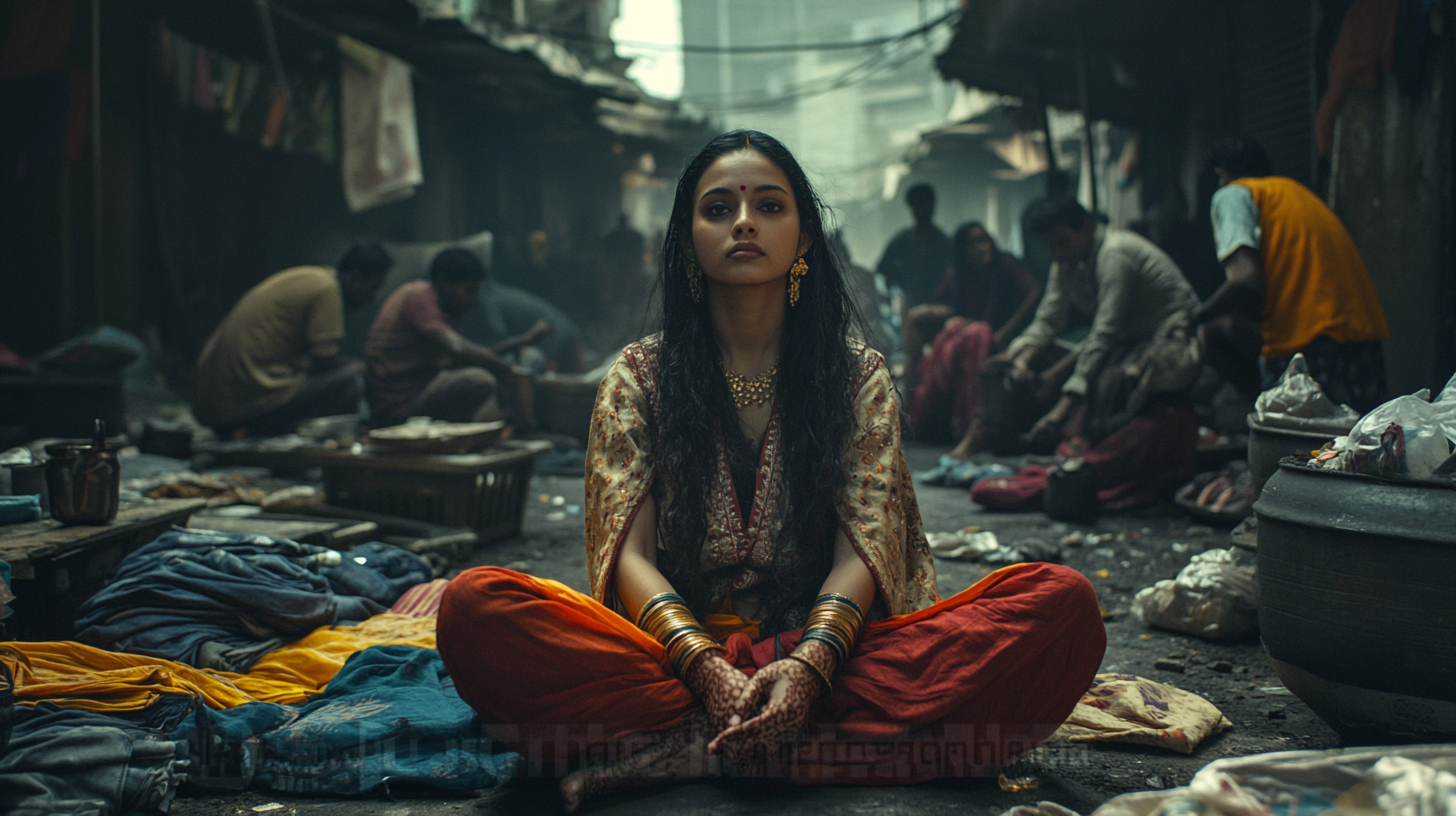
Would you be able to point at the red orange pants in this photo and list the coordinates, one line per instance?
(956, 689)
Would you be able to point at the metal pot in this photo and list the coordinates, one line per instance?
(1357, 601)
(83, 480)
(1268, 444)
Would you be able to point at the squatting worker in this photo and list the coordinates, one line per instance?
(754, 547)
(275, 359)
(1296, 284)
(1142, 342)
(419, 365)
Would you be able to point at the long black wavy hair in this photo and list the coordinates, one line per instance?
(695, 409)
(960, 243)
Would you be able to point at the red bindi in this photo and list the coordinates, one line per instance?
(742, 187)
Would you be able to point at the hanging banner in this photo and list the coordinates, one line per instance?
(381, 152)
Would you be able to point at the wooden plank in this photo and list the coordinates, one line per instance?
(309, 532)
(21, 544)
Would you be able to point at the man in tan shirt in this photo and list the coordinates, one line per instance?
(274, 360)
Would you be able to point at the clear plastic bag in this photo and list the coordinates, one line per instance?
(1215, 597)
(1407, 780)
(1404, 437)
(1298, 395)
(1444, 408)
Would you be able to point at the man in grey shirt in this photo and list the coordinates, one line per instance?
(1141, 307)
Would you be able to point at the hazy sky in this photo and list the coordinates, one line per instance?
(658, 70)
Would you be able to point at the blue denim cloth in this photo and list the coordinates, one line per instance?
(390, 719)
(65, 761)
(248, 593)
(379, 572)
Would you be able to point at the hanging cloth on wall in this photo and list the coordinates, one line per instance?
(381, 148)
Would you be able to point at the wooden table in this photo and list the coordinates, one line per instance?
(55, 567)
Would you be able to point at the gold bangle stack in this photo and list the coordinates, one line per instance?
(666, 618)
(835, 621)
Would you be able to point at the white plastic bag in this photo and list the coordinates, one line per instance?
(1420, 446)
(1407, 780)
(1298, 395)
(1444, 408)
(1215, 597)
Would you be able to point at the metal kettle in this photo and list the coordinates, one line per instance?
(83, 480)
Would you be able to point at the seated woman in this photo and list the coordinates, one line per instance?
(763, 600)
(985, 300)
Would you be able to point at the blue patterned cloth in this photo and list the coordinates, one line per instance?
(390, 719)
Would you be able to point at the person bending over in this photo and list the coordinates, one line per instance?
(419, 365)
(1296, 284)
(274, 360)
(1141, 343)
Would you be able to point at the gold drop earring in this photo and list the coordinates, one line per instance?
(796, 272)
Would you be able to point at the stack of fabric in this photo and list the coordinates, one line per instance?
(228, 662)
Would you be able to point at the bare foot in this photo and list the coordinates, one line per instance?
(970, 444)
(680, 752)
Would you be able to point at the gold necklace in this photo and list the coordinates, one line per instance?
(747, 391)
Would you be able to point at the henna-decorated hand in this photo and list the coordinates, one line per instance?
(791, 687)
(719, 687)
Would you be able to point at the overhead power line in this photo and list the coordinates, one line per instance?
(785, 48)
(895, 52)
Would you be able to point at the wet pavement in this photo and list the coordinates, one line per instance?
(1143, 548)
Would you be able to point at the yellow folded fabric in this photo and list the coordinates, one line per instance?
(73, 675)
(304, 667)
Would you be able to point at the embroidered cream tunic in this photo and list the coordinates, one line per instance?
(876, 506)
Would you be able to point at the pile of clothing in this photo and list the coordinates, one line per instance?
(230, 662)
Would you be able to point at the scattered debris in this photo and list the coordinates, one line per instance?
(962, 546)
(1170, 664)
(1215, 597)
(1221, 666)
(1128, 708)
(986, 548)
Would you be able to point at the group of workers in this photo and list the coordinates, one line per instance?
(1295, 284)
(274, 360)
(986, 367)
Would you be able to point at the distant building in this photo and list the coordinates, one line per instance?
(848, 115)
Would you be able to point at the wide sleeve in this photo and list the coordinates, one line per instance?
(1051, 315)
(618, 473)
(1116, 298)
(877, 507)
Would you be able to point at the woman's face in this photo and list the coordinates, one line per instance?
(745, 221)
(979, 248)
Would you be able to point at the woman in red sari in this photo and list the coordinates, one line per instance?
(985, 300)
(763, 602)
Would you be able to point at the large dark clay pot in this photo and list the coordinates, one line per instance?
(1357, 601)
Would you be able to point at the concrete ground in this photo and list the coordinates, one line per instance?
(1266, 717)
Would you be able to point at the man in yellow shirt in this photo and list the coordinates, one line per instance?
(274, 359)
(1296, 284)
